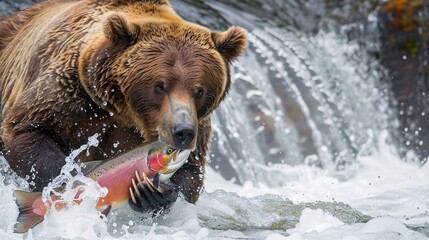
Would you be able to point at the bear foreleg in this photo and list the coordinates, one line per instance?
(35, 155)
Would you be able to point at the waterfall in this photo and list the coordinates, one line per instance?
(297, 98)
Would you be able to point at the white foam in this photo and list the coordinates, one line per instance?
(8, 210)
(385, 224)
(382, 185)
(314, 220)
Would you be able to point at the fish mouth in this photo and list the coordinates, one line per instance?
(179, 158)
(165, 159)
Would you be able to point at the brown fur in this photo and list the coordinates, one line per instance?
(124, 69)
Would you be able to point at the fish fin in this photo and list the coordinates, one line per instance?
(27, 218)
(157, 180)
(106, 210)
(90, 166)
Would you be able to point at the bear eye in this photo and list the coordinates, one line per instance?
(160, 88)
(199, 93)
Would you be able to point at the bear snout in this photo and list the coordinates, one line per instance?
(179, 124)
(183, 135)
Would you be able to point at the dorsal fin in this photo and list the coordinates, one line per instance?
(91, 166)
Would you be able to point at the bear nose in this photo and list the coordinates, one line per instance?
(183, 134)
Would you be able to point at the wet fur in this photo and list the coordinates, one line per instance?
(71, 69)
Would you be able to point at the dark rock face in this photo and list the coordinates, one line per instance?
(404, 29)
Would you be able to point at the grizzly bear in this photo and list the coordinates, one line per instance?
(131, 71)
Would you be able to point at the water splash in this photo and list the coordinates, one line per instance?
(63, 190)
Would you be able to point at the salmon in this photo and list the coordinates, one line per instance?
(151, 163)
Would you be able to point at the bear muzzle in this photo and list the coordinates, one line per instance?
(179, 125)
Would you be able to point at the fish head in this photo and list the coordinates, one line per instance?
(165, 159)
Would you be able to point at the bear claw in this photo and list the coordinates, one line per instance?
(145, 196)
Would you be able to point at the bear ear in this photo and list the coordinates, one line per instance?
(118, 30)
(230, 43)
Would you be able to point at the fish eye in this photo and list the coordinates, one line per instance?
(170, 151)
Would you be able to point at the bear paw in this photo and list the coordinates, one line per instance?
(147, 196)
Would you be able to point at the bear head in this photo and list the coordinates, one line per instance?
(161, 75)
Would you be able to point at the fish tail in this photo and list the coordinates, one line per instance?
(27, 217)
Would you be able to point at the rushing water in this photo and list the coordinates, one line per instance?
(313, 100)
(305, 146)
